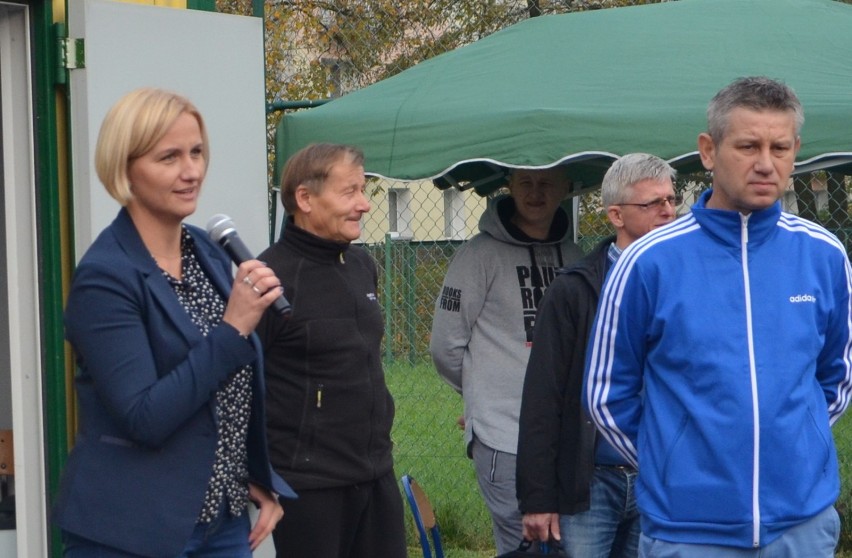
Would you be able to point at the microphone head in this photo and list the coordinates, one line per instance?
(220, 226)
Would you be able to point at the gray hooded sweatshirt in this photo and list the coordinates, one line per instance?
(484, 316)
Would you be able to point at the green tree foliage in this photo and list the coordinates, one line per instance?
(319, 49)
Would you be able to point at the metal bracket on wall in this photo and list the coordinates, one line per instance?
(70, 53)
(74, 53)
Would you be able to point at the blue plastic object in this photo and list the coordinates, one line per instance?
(424, 517)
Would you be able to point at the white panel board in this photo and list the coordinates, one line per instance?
(20, 310)
(214, 59)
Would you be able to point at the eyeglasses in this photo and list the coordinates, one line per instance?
(658, 203)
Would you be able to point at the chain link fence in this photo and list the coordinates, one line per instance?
(413, 258)
(320, 49)
(414, 230)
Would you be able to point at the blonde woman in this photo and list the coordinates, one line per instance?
(171, 445)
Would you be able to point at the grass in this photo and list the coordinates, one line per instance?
(843, 441)
(429, 446)
(415, 552)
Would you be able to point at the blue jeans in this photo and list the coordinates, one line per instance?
(610, 528)
(815, 538)
(224, 537)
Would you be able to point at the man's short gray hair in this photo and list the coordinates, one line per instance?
(754, 93)
(630, 170)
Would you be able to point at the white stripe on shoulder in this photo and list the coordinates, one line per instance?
(794, 223)
(606, 326)
(628, 258)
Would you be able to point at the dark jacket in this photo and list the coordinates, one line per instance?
(556, 442)
(330, 411)
(146, 380)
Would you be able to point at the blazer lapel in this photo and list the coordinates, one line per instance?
(128, 238)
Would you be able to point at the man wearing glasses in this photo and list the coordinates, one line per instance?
(572, 485)
(722, 352)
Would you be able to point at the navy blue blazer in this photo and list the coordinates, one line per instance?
(145, 384)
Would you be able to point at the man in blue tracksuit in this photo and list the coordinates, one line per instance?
(722, 352)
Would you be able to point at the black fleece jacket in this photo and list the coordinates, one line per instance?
(556, 441)
(329, 411)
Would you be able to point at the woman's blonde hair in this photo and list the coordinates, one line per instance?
(131, 128)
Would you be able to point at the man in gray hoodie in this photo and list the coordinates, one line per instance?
(483, 323)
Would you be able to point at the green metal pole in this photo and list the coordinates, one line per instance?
(388, 299)
(45, 92)
(410, 300)
(203, 5)
(276, 106)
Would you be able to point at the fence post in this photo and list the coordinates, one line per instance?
(388, 300)
(410, 299)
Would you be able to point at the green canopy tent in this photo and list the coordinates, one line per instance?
(582, 88)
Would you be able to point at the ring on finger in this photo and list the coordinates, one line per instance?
(247, 280)
(255, 289)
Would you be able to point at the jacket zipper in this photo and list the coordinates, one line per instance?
(755, 474)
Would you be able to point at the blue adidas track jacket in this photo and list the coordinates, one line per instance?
(719, 358)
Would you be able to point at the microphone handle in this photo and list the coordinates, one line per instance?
(238, 251)
(281, 306)
(236, 248)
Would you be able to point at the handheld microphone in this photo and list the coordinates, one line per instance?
(222, 230)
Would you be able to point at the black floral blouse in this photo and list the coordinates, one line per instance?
(205, 306)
